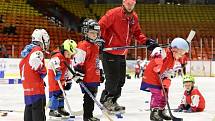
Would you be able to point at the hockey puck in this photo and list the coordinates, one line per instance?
(146, 101)
(119, 116)
(71, 116)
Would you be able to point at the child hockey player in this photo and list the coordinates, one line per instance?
(137, 69)
(192, 101)
(59, 56)
(86, 61)
(158, 68)
(143, 66)
(32, 71)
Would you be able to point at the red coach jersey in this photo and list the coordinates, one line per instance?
(194, 99)
(87, 57)
(58, 60)
(117, 29)
(32, 70)
(151, 77)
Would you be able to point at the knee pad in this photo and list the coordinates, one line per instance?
(53, 103)
(61, 103)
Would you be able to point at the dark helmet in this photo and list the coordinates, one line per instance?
(90, 24)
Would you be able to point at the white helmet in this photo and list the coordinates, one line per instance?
(41, 35)
(180, 43)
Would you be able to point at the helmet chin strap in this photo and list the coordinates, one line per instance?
(189, 91)
(90, 40)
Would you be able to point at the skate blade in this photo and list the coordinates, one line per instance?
(116, 112)
(60, 119)
(67, 117)
(177, 119)
(52, 118)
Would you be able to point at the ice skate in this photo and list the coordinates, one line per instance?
(154, 115)
(163, 115)
(91, 119)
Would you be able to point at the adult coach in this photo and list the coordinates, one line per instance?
(118, 26)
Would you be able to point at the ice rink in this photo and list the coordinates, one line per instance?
(136, 101)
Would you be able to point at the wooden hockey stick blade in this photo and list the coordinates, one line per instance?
(2, 114)
(107, 115)
(78, 113)
(191, 36)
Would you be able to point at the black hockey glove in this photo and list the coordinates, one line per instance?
(44, 84)
(102, 76)
(189, 110)
(79, 73)
(79, 68)
(68, 85)
(78, 77)
(101, 44)
(179, 109)
(151, 44)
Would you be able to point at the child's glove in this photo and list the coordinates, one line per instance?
(78, 77)
(179, 109)
(100, 43)
(102, 77)
(27, 50)
(151, 44)
(188, 111)
(68, 86)
(58, 75)
(166, 83)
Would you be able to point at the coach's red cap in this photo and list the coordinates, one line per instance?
(130, 1)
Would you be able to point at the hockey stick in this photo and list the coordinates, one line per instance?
(64, 93)
(104, 111)
(132, 47)
(150, 110)
(191, 36)
(168, 106)
(102, 108)
(5, 110)
(189, 39)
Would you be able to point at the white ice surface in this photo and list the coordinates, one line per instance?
(11, 97)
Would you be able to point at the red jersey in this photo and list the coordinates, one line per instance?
(87, 57)
(151, 78)
(32, 70)
(194, 99)
(117, 29)
(58, 60)
(137, 68)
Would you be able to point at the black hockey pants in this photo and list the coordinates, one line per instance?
(89, 103)
(35, 111)
(115, 71)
